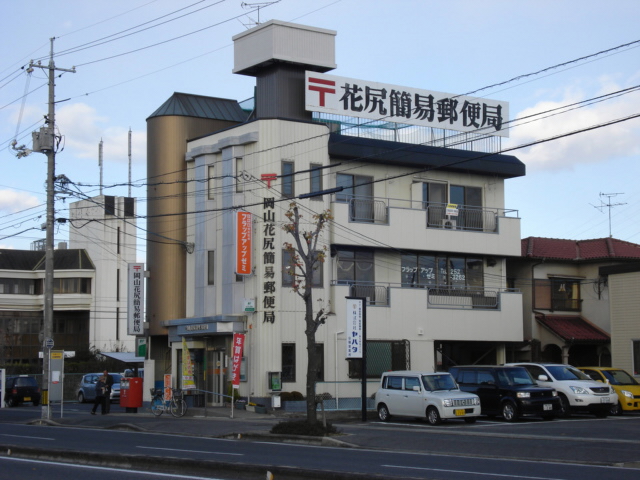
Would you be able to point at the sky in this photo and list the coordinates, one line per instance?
(130, 57)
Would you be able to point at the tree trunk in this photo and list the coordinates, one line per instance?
(312, 362)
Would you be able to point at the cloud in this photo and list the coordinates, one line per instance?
(12, 201)
(594, 146)
(83, 128)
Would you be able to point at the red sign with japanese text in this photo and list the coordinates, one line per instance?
(236, 355)
(243, 243)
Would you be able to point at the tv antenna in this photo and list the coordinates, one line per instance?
(259, 6)
(609, 205)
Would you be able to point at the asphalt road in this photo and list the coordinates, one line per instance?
(580, 447)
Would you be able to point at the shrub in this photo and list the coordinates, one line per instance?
(297, 396)
(302, 427)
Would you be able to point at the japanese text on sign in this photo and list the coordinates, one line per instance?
(354, 330)
(269, 260)
(243, 243)
(377, 101)
(135, 298)
(236, 355)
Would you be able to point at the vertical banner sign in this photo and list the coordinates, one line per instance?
(135, 298)
(166, 386)
(237, 351)
(354, 330)
(269, 260)
(243, 243)
(188, 382)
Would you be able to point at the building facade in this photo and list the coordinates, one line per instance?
(419, 229)
(566, 299)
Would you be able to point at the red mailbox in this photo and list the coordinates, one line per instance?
(131, 392)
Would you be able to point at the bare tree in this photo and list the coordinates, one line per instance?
(306, 258)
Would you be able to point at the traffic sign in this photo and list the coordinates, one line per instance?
(48, 343)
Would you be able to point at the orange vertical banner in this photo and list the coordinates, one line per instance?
(243, 243)
(236, 357)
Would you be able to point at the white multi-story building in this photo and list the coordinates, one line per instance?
(105, 227)
(420, 226)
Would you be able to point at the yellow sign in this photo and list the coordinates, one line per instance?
(57, 355)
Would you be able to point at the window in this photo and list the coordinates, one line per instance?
(315, 177)
(355, 266)
(288, 362)
(211, 258)
(128, 206)
(210, 182)
(353, 186)
(320, 354)
(557, 294)
(434, 200)
(430, 271)
(382, 356)
(636, 357)
(71, 285)
(20, 286)
(288, 270)
(287, 179)
(410, 382)
(239, 178)
(109, 205)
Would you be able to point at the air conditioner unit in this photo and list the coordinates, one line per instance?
(449, 223)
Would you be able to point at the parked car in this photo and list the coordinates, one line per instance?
(87, 389)
(577, 391)
(507, 391)
(434, 396)
(22, 389)
(627, 387)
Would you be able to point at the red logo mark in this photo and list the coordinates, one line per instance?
(322, 90)
(268, 177)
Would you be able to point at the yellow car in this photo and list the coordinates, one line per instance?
(627, 387)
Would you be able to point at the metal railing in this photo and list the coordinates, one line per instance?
(466, 218)
(469, 297)
(376, 295)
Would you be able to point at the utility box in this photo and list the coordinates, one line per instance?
(131, 394)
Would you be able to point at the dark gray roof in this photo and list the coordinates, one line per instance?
(187, 105)
(33, 260)
(422, 156)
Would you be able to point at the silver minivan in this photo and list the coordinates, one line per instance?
(434, 396)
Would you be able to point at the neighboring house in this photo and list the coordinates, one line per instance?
(566, 299)
(22, 275)
(623, 282)
(421, 231)
(105, 226)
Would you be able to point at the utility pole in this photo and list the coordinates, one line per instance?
(44, 141)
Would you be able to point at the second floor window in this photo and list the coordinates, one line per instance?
(443, 271)
(557, 294)
(287, 179)
(288, 271)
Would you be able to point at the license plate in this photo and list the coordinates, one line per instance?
(547, 406)
(27, 399)
(459, 412)
(604, 400)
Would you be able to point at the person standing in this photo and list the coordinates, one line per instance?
(109, 385)
(100, 396)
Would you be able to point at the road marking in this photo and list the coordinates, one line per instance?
(191, 451)
(25, 436)
(471, 472)
(109, 469)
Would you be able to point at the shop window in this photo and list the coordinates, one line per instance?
(288, 270)
(382, 356)
(288, 362)
(441, 271)
(355, 266)
(287, 189)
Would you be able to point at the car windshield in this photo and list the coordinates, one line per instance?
(515, 376)
(439, 382)
(619, 377)
(567, 372)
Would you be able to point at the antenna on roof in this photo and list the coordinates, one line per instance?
(100, 163)
(259, 6)
(608, 205)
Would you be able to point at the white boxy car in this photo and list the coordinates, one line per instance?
(434, 396)
(577, 391)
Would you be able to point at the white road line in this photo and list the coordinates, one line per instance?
(191, 451)
(25, 436)
(469, 472)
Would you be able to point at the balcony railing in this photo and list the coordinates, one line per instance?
(364, 209)
(469, 297)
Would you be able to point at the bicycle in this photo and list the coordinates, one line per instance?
(176, 405)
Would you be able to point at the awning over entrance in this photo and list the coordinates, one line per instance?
(573, 329)
(126, 357)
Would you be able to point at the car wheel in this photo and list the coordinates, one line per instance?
(565, 407)
(11, 402)
(509, 412)
(36, 403)
(81, 398)
(383, 413)
(470, 419)
(616, 409)
(433, 416)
